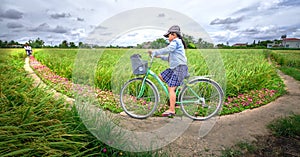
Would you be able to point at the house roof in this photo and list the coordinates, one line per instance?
(291, 39)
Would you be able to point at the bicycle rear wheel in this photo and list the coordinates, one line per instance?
(201, 98)
(137, 101)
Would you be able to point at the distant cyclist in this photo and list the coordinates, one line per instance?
(174, 53)
(28, 49)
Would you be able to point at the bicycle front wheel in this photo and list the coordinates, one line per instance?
(201, 98)
(139, 100)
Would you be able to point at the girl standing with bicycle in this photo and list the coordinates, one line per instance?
(174, 53)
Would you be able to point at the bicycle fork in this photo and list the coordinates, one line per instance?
(142, 89)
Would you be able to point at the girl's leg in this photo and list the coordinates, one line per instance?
(172, 98)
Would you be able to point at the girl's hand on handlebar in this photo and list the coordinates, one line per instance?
(150, 53)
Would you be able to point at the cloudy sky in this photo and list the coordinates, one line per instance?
(234, 21)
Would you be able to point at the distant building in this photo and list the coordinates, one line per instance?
(16, 46)
(272, 45)
(286, 43)
(291, 43)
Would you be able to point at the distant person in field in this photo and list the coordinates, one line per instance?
(28, 49)
(174, 53)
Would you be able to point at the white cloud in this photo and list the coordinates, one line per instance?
(46, 28)
(78, 34)
(60, 15)
(296, 34)
(80, 19)
(234, 20)
(269, 4)
(137, 37)
(228, 20)
(41, 27)
(14, 25)
(11, 14)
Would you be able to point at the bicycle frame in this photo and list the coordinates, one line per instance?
(199, 97)
(151, 73)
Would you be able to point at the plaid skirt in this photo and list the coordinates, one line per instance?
(175, 77)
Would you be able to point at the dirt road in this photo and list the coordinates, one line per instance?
(227, 130)
(244, 126)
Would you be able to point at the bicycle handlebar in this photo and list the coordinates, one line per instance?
(151, 60)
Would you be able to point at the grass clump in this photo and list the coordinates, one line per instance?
(286, 127)
(34, 123)
(284, 141)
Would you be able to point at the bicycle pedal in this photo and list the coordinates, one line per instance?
(205, 106)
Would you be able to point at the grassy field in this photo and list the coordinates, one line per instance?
(33, 123)
(246, 70)
(250, 81)
(289, 61)
(284, 141)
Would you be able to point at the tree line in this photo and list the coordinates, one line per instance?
(37, 43)
(255, 44)
(190, 41)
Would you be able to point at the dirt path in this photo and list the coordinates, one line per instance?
(227, 131)
(244, 126)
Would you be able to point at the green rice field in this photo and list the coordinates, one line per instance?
(33, 123)
(246, 76)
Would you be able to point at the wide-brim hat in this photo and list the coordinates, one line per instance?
(173, 29)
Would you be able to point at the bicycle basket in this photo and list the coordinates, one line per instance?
(139, 66)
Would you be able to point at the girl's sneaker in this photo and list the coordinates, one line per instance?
(168, 114)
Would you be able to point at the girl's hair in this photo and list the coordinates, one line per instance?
(180, 37)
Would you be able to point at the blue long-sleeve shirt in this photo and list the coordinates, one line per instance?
(176, 53)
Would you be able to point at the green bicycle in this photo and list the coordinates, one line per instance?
(200, 97)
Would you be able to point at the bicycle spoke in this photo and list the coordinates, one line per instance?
(136, 102)
(206, 96)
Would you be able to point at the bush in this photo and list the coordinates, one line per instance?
(287, 127)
